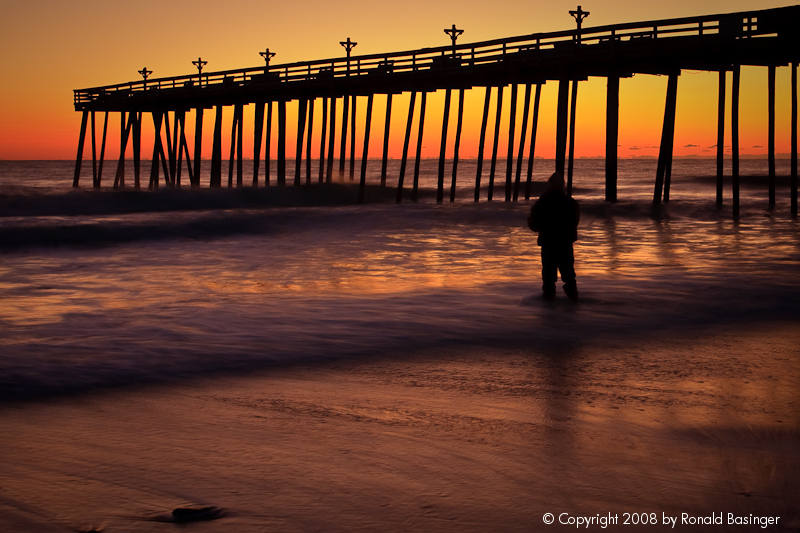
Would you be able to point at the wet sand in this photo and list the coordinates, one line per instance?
(463, 439)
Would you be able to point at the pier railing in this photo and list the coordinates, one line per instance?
(743, 25)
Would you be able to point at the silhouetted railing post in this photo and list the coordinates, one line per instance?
(497, 117)
(720, 134)
(443, 148)
(481, 142)
(363, 183)
(457, 144)
(579, 15)
(534, 128)
(612, 137)
(771, 133)
(735, 140)
(199, 63)
(512, 122)
(453, 33)
(418, 157)
(406, 141)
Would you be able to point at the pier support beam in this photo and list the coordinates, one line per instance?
(457, 145)
(523, 132)
(771, 133)
(481, 143)
(239, 135)
(125, 133)
(497, 117)
(137, 149)
(308, 139)
(233, 144)
(268, 145)
(183, 149)
(612, 137)
(363, 183)
(571, 159)
(418, 158)
(661, 191)
(386, 128)
(216, 150)
(94, 152)
(353, 139)
(323, 139)
(443, 147)
(281, 143)
(406, 141)
(301, 129)
(343, 150)
(157, 149)
(735, 140)
(331, 141)
(102, 152)
(720, 134)
(793, 141)
(512, 122)
(198, 145)
(561, 125)
(534, 128)
(81, 140)
(258, 132)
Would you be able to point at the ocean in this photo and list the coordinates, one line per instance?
(291, 360)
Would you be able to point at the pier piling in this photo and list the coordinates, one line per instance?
(308, 139)
(281, 143)
(735, 140)
(323, 139)
(571, 159)
(661, 190)
(258, 132)
(512, 122)
(481, 142)
(343, 150)
(81, 140)
(268, 145)
(301, 127)
(793, 141)
(386, 128)
(443, 148)
(420, 131)
(198, 145)
(457, 144)
(534, 128)
(523, 131)
(720, 133)
(497, 117)
(331, 141)
(771, 133)
(561, 125)
(363, 183)
(216, 150)
(612, 137)
(406, 140)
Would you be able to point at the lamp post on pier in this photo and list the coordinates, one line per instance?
(267, 55)
(199, 63)
(453, 32)
(579, 14)
(348, 46)
(145, 74)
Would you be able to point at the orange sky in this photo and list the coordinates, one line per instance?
(51, 47)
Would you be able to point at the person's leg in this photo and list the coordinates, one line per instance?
(566, 264)
(549, 271)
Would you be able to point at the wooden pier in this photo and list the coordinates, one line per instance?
(719, 43)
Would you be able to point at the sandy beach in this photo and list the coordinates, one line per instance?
(472, 439)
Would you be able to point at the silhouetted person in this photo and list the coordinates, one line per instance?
(555, 218)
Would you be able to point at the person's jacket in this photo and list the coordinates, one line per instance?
(555, 218)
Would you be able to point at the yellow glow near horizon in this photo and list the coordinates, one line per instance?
(53, 47)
